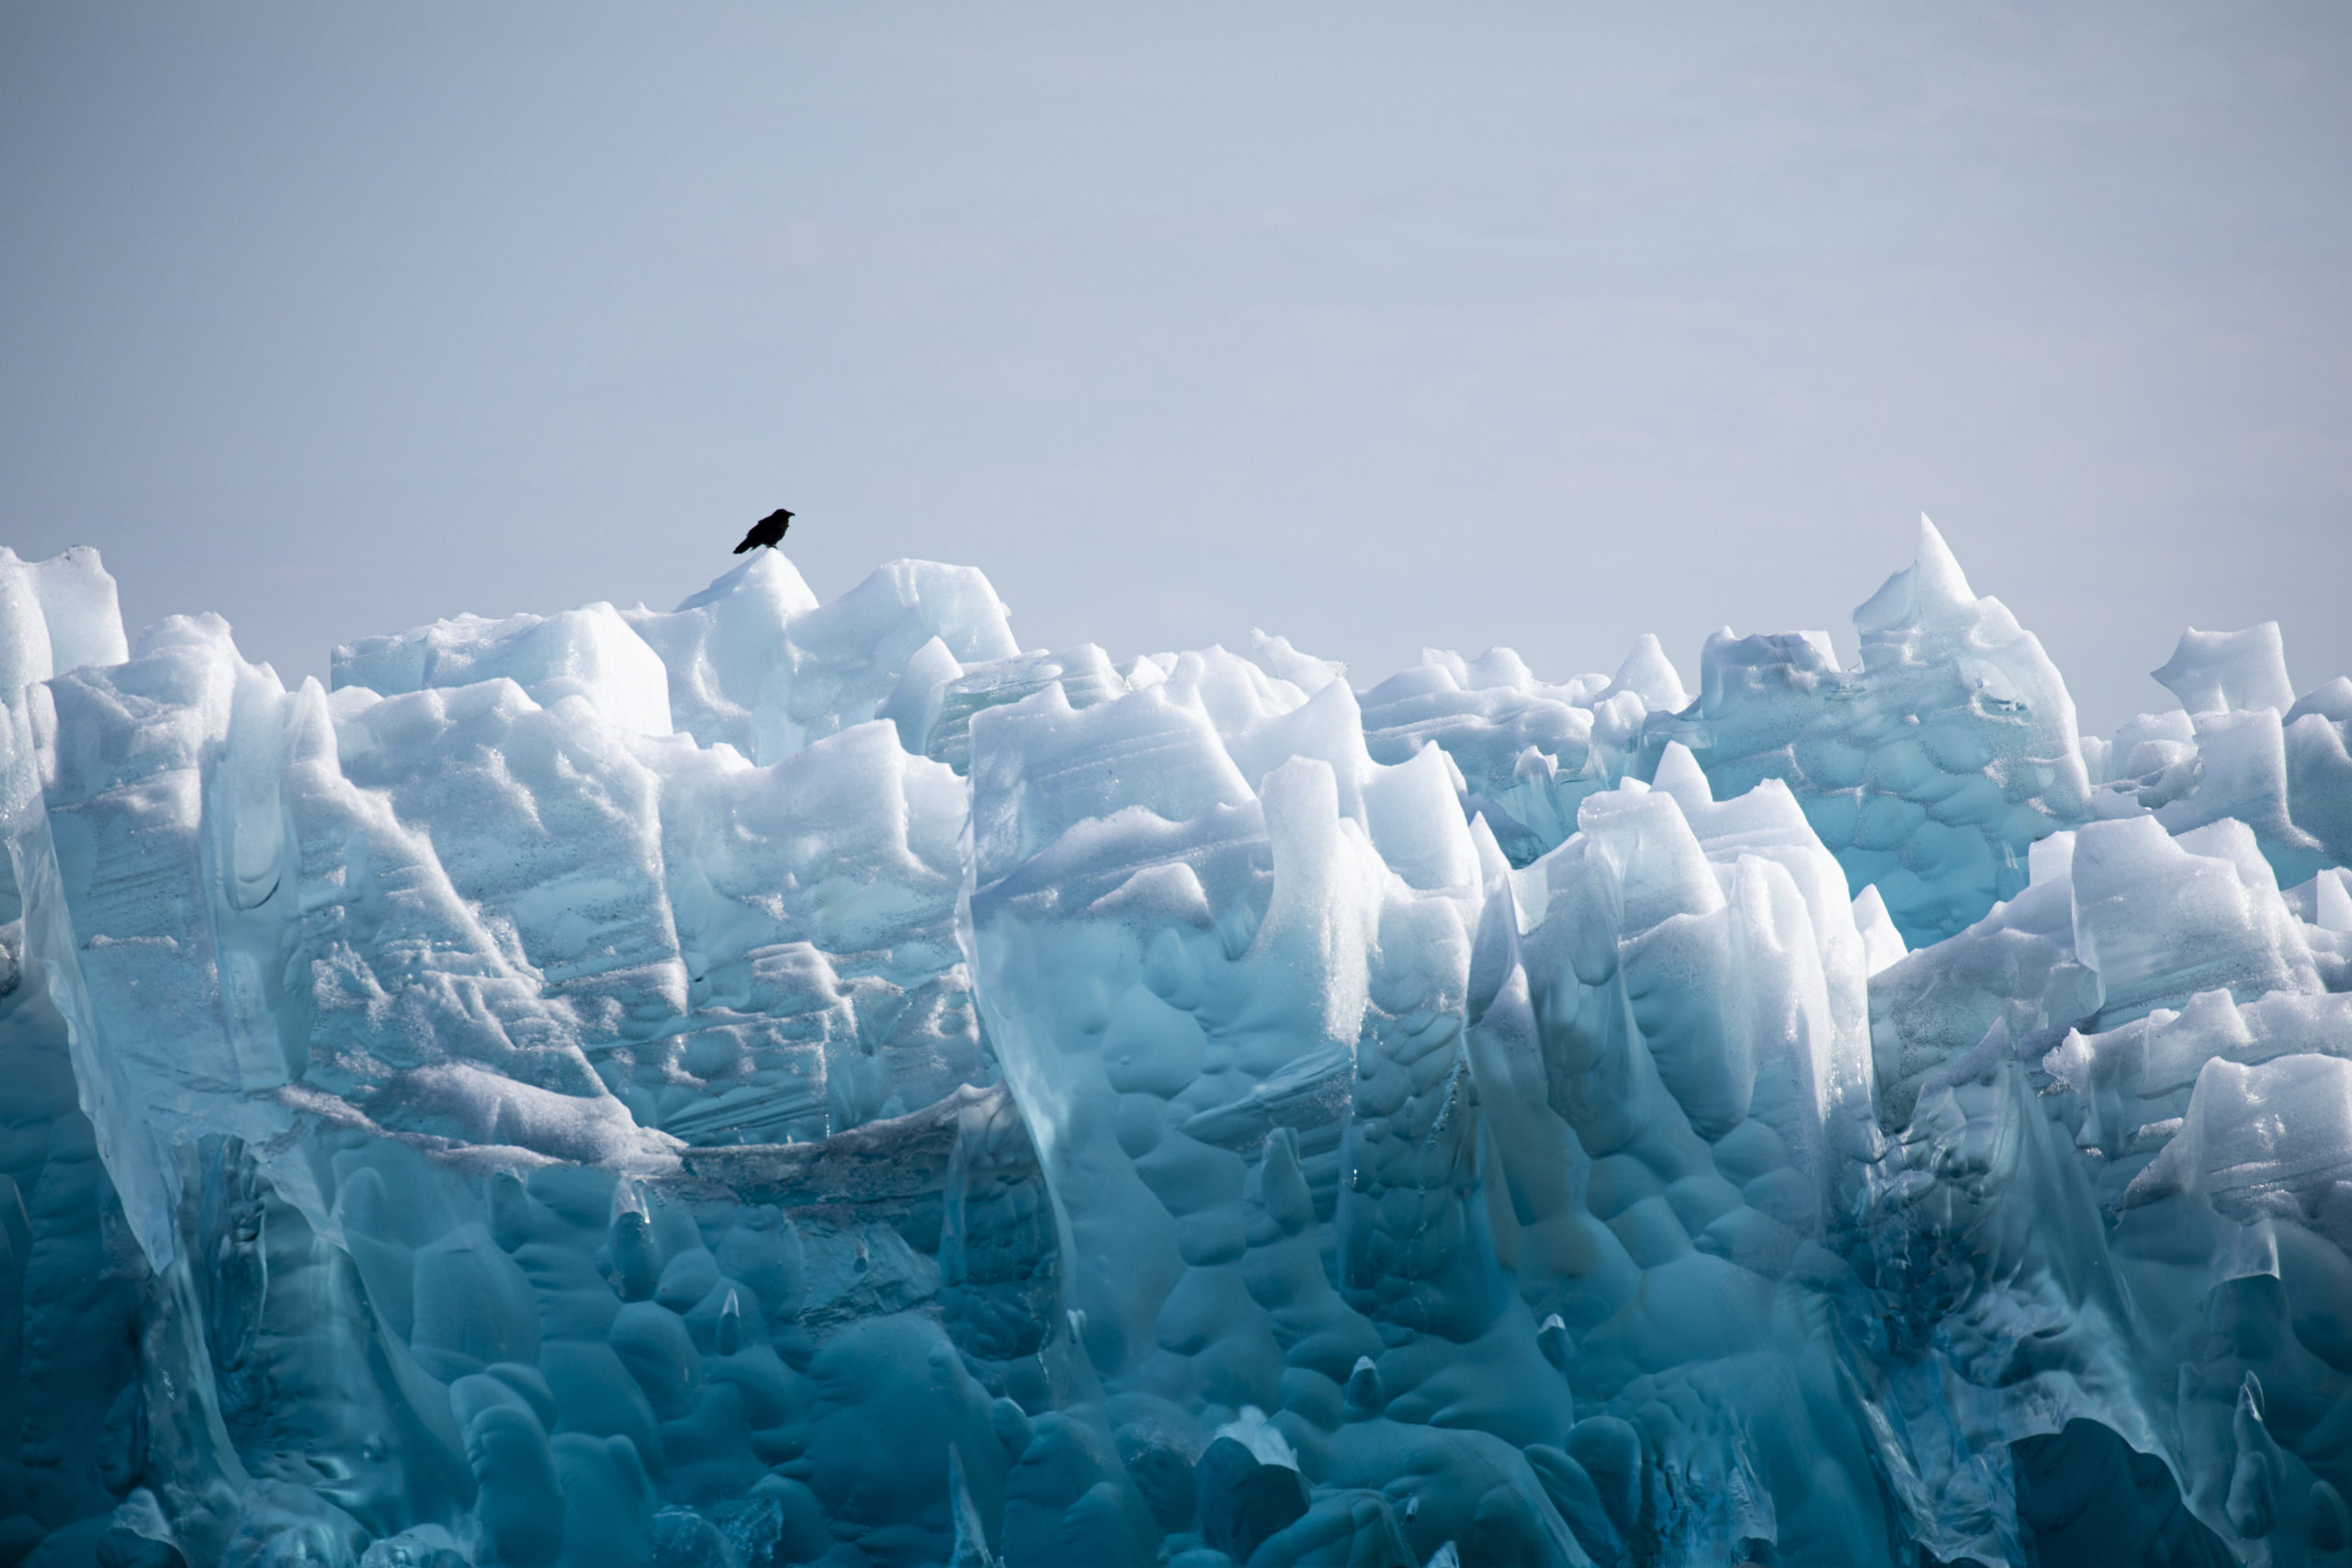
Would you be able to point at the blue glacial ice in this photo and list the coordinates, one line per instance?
(794, 1083)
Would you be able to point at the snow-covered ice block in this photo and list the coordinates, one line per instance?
(1930, 769)
(723, 647)
(591, 654)
(2227, 672)
(841, 660)
(2274, 1138)
(1528, 751)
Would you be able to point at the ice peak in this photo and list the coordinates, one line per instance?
(1679, 775)
(1931, 588)
(1935, 573)
(769, 574)
(1649, 674)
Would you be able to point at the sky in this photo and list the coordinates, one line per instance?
(1376, 326)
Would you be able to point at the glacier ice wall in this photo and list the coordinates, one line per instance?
(780, 1082)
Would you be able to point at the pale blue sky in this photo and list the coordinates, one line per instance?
(1374, 325)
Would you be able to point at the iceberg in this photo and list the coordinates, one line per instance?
(781, 1082)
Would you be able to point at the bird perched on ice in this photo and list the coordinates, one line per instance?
(768, 531)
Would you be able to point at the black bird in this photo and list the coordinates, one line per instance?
(768, 531)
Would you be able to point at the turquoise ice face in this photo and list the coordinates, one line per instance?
(783, 1083)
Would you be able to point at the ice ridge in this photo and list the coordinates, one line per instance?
(784, 1082)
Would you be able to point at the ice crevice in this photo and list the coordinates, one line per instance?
(782, 1082)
